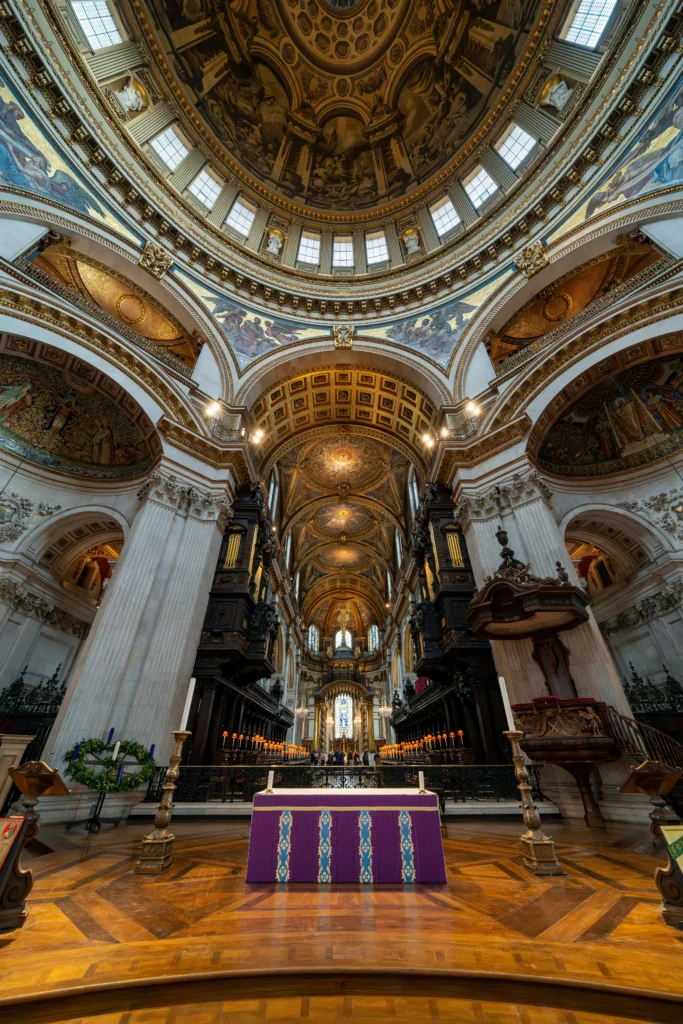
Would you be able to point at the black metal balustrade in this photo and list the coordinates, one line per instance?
(238, 783)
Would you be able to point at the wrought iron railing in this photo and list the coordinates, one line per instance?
(238, 783)
(640, 739)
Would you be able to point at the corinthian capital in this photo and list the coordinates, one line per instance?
(165, 489)
(492, 502)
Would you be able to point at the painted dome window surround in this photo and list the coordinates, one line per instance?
(309, 248)
(376, 247)
(514, 145)
(587, 22)
(241, 216)
(97, 23)
(170, 148)
(479, 186)
(206, 188)
(444, 216)
(342, 251)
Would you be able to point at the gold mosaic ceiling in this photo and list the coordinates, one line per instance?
(340, 108)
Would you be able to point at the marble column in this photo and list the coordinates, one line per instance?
(135, 665)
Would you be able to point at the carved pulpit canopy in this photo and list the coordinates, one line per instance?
(514, 604)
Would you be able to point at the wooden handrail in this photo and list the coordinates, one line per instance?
(638, 738)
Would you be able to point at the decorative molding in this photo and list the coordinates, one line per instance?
(532, 259)
(18, 596)
(343, 335)
(165, 489)
(16, 514)
(664, 600)
(658, 510)
(155, 260)
(520, 489)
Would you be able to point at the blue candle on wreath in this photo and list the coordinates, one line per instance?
(95, 764)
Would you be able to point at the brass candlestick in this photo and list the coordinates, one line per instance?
(156, 854)
(538, 848)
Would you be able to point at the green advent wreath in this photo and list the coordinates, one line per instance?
(94, 766)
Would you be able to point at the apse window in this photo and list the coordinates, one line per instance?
(587, 21)
(480, 186)
(342, 251)
(376, 247)
(241, 216)
(444, 216)
(98, 26)
(206, 189)
(170, 148)
(313, 638)
(309, 248)
(373, 638)
(514, 145)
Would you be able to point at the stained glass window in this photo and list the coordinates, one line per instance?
(342, 638)
(313, 638)
(343, 716)
(373, 638)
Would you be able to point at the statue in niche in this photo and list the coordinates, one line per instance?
(274, 244)
(131, 97)
(411, 240)
(555, 93)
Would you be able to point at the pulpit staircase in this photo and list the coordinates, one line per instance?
(645, 743)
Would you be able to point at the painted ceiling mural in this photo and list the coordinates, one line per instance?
(61, 420)
(630, 418)
(342, 108)
(252, 334)
(654, 162)
(563, 299)
(113, 293)
(30, 163)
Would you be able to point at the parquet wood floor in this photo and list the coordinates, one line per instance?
(495, 945)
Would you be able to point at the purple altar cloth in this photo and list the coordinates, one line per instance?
(383, 836)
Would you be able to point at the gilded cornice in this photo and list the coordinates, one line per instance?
(236, 457)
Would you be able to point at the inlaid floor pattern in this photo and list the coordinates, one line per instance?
(96, 926)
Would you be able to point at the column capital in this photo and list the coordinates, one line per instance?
(178, 496)
(495, 501)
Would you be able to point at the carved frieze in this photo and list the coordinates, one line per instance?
(166, 489)
(488, 504)
(18, 596)
(17, 512)
(664, 510)
(665, 600)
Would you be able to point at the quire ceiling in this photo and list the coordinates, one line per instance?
(341, 106)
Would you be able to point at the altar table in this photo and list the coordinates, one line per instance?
(380, 836)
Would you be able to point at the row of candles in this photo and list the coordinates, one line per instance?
(259, 743)
(429, 742)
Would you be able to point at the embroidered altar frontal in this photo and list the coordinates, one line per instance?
(379, 836)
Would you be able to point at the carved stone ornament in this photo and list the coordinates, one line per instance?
(343, 335)
(665, 600)
(155, 260)
(519, 489)
(664, 510)
(532, 259)
(166, 489)
(16, 514)
(21, 599)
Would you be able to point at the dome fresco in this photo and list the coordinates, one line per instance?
(341, 107)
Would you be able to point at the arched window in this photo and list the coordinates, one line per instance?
(343, 716)
(373, 638)
(342, 638)
(313, 638)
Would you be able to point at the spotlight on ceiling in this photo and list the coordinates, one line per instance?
(257, 436)
(213, 409)
(444, 431)
(473, 409)
(428, 440)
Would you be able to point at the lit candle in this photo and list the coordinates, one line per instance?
(188, 703)
(462, 738)
(506, 704)
(116, 749)
(225, 736)
(234, 737)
